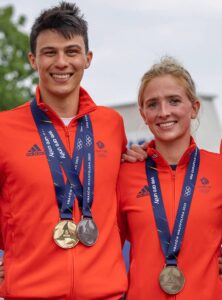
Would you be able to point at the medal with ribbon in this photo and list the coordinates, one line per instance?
(171, 278)
(67, 233)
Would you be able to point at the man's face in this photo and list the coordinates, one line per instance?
(60, 63)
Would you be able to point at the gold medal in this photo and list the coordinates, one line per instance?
(171, 280)
(65, 235)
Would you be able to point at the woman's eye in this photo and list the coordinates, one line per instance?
(174, 101)
(151, 104)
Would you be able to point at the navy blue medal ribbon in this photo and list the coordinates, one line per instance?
(58, 159)
(88, 178)
(171, 244)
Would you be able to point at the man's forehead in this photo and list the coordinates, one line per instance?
(54, 37)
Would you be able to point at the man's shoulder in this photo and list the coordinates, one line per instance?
(107, 112)
(12, 118)
(21, 109)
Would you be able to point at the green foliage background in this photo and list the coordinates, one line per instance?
(16, 76)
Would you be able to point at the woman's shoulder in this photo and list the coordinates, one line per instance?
(131, 171)
(131, 168)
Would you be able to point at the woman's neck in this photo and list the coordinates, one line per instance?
(172, 151)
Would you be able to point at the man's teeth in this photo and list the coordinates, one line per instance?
(61, 76)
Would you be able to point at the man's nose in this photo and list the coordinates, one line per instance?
(61, 61)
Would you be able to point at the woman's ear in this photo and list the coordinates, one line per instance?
(195, 108)
(143, 114)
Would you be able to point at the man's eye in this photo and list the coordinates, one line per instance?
(49, 53)
(71, 52)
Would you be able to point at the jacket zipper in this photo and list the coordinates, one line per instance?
(173, 206)
(67, 135)
(69, 149)
(72, 284)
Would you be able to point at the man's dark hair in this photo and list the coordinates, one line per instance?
(65, 19)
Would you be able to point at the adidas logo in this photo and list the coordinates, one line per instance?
(35, 151)
(143, 192)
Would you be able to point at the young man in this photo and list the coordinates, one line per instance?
(59, 233)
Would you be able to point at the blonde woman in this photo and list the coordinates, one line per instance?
(170, 206)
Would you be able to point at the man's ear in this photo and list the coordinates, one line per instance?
(89, 57)
(32, 60)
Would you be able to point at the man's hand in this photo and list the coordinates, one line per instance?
(2, 274)
(135, 153)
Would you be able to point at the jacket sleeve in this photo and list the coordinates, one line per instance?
(1, 239)
(121, 215)
(124, 139)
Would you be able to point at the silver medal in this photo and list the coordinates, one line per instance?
(171, 280)
(87, 232)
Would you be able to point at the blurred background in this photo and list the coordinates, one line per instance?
(126, 37)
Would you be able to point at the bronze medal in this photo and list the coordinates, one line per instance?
(65, 235)
(87, 232)
(171, 280)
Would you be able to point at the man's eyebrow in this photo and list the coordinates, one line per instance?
(46, 48)
(67, 47)
(73, 46)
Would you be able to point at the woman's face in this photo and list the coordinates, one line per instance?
(167, 110)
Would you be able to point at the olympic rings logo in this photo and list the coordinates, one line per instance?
(187, 191)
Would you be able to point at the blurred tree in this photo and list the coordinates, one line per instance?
(16, 76)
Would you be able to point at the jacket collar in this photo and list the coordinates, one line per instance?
(86, 105)
(160, 161)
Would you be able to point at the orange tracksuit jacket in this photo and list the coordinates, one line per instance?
(35, 267)
(198, 258)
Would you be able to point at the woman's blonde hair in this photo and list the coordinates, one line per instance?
(168, 66)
